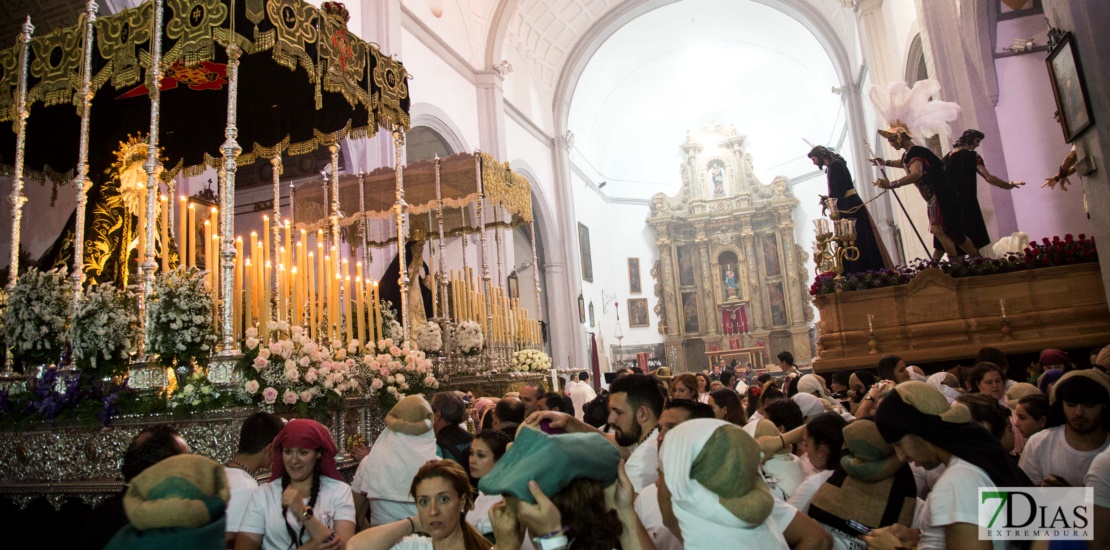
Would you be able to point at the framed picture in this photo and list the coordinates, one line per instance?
(638, 313)
(581, 309)
(776, 299)
(771, 266)
(634, 276)
(686, 265)
(591, 315)
(690, 321)
(584, 250)
(1069, 88)
(514, 286)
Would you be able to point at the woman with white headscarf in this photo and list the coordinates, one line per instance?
(813, 384)
(710, 488)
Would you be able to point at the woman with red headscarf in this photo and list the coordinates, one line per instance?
(306, 503)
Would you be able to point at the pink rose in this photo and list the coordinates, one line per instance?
(251, 387)
(292, 375)
(394, 350)
(306, 396)
(376, 384)
(259, 363)
(269, 395)
(384, 372)
(290, 397)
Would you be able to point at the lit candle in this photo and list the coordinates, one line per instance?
(378, 332)
(323, 281)
(311, 295)
(360, 304)
(182, 229)
(266, 240)
(267, 314)
(237, 311)
(248, 308)
(191, 233)
(215, 268)
(298, 319)
(326, 313)
(207, 240)
(281, 312)
(165, 234)
(347, 306)
(870, 327)
(1002, 304)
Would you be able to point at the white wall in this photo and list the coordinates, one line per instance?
(437, 83)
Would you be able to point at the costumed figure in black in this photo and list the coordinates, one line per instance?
(420, 292)
(872, 255)
(964, 166)
(909, 112)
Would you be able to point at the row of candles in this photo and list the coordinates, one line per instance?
(311, 289)
(511, 323)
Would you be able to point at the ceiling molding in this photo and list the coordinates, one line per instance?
(522, 119)
(411, 23)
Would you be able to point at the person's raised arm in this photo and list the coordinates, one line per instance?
(384, 537)
(621, 498)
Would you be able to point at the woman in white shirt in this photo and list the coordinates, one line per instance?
(306, 504)
(442, 493)
(703, 387)
(488, 447)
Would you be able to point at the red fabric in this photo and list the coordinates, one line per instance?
(1053, 357)
(305, 434)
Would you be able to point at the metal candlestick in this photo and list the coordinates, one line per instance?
(836, 242)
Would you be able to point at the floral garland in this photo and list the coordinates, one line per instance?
(469, 339)
(294, 371)
(429, 337)
(38, 314)
(397, 372)
(1047, 253)
(531, 360)
(105, 329)
(180, 327)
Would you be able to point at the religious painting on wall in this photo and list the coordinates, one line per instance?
(771, 255)
(634, 276)
(690, 312)
(638, 313)
(581, 309)
(717, 178)
(686, 265)
(591, 315)
(514, 286)
(1069, 88)
(584, 250)
(777, 301)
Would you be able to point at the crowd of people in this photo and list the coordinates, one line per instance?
(883, 459)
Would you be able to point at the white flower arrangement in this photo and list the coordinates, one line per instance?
(295, 371)
(38, 314)
(105, 329)
(200, 394)
(391, 328)
(468, 338)
(531, 360)
(181, 328)
(429, 337)
(396, 372)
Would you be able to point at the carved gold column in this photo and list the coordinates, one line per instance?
(80, 180)
(791, 289)
(756, 316)
(667, 277)
(709, 321)
(154, 77)
(17, 199)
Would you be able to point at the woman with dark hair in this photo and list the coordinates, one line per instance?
(442, 493)
(306, 504)
(767, 393)
(703, 386)
(964, 166)
(859, 383)
(893, 368)
(487, 448)
(684, 386)
(996, 356)
(823, 440)
(987, 378)
(726, 406)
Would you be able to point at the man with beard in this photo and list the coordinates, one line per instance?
(872, 256)
(635, 404)
(1061, 454)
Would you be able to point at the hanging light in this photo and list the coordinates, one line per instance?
(436, 7)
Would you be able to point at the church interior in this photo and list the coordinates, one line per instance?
(590, 184)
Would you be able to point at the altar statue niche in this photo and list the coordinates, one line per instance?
(729, 275)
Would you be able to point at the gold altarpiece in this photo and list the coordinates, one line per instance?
(730, 274)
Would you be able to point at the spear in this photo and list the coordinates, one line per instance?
(882, 170)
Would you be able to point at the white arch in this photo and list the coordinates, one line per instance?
(431, 116)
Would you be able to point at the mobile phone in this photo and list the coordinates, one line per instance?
(859, 527)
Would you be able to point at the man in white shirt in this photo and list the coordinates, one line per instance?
(256, 452)
(1061, 454)
(581, 393)
(786, 364)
